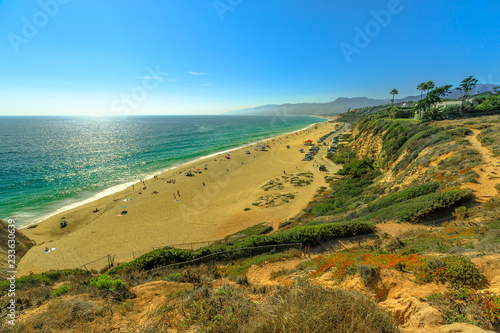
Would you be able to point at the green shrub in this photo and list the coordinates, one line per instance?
(357, 168)
(307, 235)
(460, 272)
(402, 196)
(420, 206)
(345, 193)
(343, 157)
(61, 290)
(106, 282)
(45, 279)
(462, 213)
(460, 132)
(468, 306)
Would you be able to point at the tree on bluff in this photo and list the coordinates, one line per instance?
(429, 104)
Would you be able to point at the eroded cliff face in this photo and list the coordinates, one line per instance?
(408, 152)
(22, 245)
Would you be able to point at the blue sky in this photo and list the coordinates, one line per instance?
(125, 57)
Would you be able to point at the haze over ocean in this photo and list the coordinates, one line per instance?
(50, 163)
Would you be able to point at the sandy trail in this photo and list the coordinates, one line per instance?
(489, 172)
(223, 206)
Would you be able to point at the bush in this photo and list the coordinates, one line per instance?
(307, 235)
(105, 282)
(43, 279)
(345, 193)
(402, 196)
(366, 273)
(60, 291)
(420, 206)
(459, 271)
(462, 213)
(468, 306)
(357, 168)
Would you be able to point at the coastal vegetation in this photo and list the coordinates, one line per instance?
(430, 107)
(396, 173)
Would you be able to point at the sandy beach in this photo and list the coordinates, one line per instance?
(230, 195)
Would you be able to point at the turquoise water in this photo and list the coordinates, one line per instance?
(50, 164)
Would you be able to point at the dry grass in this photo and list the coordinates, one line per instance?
(300, 308)
(73, 314)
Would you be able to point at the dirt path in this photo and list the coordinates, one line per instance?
(489, 172)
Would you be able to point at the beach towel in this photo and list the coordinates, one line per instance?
(52, 249)
(127, 199)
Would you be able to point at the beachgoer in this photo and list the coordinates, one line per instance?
(175, 196)
(133, 188)
(203, 184)
(46, 249)
(178, 193)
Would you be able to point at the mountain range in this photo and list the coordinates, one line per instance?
(340, 105)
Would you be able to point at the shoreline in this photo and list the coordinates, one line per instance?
(228, 197)
(123, 186)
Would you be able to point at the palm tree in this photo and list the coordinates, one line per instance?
(430, 85)
(393, 92)
(421, 87)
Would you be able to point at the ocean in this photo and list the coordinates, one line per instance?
(52, 164)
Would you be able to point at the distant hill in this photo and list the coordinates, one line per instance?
(340, 105)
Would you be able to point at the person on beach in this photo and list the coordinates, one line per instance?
(203, 184)
(133, 188)
(178, 194)
(174, 196)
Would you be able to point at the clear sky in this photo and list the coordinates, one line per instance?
(89, 57)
